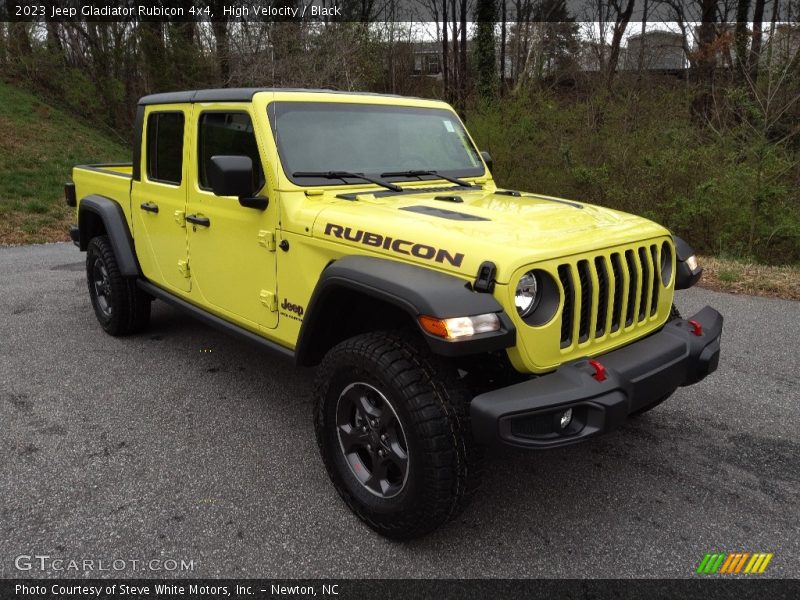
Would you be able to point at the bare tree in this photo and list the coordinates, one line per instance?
(619, 13)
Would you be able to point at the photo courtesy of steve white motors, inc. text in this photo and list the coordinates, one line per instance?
(240, 10)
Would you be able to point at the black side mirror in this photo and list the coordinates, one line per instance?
(487, 158)
(233, 176)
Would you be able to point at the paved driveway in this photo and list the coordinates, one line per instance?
(183, 443)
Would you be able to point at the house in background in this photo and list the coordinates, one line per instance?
(657, 50)
(428, 59)
(785, 44)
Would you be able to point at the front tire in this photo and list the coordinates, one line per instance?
(392, 425)
(120, 306)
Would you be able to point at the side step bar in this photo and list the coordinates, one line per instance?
(213, 320)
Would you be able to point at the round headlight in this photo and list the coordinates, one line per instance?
(527, 295)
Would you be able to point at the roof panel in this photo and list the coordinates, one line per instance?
(236, 95)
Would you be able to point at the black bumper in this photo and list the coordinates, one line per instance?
(527, 415)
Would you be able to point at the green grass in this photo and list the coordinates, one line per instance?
(39, 145)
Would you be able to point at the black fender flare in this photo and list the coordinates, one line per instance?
(684, 276)
(116, 226)
(413, 289)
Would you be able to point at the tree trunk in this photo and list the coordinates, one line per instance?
(642, 43)
(740, 40)
(54, 39)
(462, 79)
(755, 46)
(3, 46)
(220, 30)
(503, 48)
(620, 25)
(454, 75)
(19, 44)
(151, 36)
(706, 63)
(484, 52)
(445, 53)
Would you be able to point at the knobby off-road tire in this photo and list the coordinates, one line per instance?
(386, 392)
(120, 306)
(674, 313)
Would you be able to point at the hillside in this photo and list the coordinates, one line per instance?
(39, 145)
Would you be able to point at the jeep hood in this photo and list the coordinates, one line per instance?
(511, 231)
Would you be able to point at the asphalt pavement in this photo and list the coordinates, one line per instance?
(184, 444)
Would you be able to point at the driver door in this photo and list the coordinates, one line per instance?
(231, 247)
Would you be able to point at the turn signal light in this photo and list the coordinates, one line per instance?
(459, 327)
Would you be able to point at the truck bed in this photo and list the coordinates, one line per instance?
(119, 169)
(112, 181)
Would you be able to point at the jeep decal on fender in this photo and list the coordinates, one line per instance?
(406, 247)
(295, 308)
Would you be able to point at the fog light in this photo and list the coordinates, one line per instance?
(566, 418)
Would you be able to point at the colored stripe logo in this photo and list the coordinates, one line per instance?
(734, 563)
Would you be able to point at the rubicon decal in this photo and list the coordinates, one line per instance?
(735, 563)
(407, 247)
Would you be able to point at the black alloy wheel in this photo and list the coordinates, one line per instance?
(372, 439)
(102, 287)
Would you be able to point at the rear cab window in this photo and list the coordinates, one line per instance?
(165, 131)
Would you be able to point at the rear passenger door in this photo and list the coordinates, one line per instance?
(232, 254)
(158, 199)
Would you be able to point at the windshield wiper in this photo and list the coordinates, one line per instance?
(419, 174)
(343, 175)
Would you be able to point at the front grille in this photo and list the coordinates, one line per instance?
(609, 291)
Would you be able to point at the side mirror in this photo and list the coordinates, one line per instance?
(233, 176)
(487, 158)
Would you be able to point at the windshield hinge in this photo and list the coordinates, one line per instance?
(484, 282)
(267, 239)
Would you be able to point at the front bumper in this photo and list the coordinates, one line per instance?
(526, 415)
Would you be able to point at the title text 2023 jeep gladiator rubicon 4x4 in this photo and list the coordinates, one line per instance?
(365, 234)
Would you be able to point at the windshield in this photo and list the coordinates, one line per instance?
(371, 139)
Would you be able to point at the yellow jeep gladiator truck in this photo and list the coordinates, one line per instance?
(364, 235)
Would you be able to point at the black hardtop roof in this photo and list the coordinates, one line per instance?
(236, 95)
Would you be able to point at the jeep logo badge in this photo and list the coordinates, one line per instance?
(295, 308)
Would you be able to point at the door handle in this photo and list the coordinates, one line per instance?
(202, 221)
(149, 207)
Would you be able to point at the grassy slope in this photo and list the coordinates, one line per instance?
(39, 145)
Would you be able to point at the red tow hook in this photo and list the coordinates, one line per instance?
(697, 329)
(599, 370)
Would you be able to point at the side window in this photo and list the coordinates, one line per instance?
(165, 147)
(226, 134)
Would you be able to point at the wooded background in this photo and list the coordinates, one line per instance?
(708, 147)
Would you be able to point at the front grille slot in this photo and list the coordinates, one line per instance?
(607, 292)
(567, 314)
(656, 279)
(616, 314)
(646, 282)
(585, 281)
(633, 278)
(602, 295)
